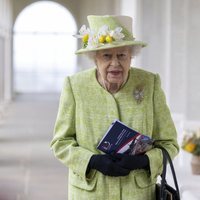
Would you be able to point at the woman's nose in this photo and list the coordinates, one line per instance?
(114, 61)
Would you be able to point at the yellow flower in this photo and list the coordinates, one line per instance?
(102, 38)
(190, 147)
(109, 39)
(85, 38)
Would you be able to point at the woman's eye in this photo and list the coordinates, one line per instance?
(122, 56)
(107, 56)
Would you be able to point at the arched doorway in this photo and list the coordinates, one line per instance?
(43, 47)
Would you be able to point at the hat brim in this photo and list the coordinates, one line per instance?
(114, 44)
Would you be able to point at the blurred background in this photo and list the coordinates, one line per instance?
(37, 52)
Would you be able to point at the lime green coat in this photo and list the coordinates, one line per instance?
(86, 111)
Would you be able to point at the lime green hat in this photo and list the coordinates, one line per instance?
(108, 31)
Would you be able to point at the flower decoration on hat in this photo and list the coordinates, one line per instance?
(139, 93)
(84, 33)
(103, 36)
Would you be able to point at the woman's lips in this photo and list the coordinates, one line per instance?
(115, 73)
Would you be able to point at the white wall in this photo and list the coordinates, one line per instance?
(179, 37)
(5, 49)
(193, 60)
(1, 67)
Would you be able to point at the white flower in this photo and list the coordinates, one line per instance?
(83, 31)
(93, 41)
(116, 34)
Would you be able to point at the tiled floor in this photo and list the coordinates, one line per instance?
(28, 169)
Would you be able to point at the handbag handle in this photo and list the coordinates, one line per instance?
(166, 157)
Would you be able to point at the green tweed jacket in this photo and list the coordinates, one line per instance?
(86, 111)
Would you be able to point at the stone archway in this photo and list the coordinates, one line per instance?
(43, 47)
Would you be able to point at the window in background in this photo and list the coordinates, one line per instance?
(43, 47)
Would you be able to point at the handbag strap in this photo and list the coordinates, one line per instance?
(166, 157)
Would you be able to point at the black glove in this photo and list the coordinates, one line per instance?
(132, 162)
(107, 165)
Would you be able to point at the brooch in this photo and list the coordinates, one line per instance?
(139, 94)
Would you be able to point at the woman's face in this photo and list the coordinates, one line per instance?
(113, 64)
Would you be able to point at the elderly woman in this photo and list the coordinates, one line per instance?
(89, 103)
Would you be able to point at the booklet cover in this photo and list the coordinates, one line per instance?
(122, 139)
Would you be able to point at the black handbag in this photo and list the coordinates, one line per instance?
(163, 190)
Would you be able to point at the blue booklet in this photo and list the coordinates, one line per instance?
(122, 139)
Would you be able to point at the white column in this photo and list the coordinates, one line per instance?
(167, 45)
(1, 66)
(154, 27)
(8, 73)
(179, 56)
(193, 60)
(5, 50)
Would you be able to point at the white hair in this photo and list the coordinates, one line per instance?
(135, 50)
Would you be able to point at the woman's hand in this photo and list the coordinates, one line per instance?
(107, 166)
(132, 162)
